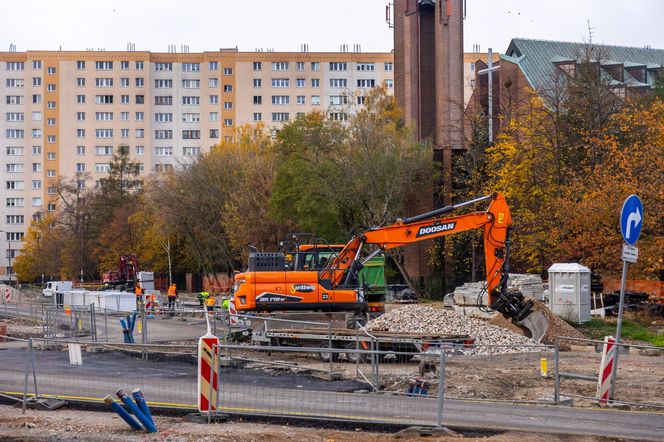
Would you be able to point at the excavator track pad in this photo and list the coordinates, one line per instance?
(535, 325)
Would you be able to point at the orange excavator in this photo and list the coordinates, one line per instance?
(335, 287)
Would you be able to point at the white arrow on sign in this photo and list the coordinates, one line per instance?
(634, 217)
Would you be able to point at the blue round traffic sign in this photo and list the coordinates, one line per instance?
(631, 219)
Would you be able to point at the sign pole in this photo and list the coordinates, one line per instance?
(614, 371)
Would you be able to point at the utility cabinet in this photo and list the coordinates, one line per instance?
(569, 291)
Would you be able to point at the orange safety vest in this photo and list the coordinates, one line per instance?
(138, 291)
(209, 302)
(172, 291)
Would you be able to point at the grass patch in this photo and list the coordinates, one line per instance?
(598, 328)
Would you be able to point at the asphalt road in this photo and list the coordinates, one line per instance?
(256, 392)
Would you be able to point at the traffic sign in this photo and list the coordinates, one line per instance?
(630, 253)
(631, 219)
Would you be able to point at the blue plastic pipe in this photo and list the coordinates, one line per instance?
(123, 413)
(125, 331)
(136, 412)
(139, 398)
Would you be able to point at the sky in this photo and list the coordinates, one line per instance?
(283, 25)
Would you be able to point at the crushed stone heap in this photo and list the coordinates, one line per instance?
(422, 319)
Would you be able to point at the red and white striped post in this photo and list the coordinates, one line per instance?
(8, 295)
(208, 349)
(605, 370)
(232, 312)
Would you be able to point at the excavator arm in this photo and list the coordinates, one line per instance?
(496, 224)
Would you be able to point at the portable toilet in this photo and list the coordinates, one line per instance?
(569, 291)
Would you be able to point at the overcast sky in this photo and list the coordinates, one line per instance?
(282, 25)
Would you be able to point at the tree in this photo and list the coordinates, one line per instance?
(42, 251)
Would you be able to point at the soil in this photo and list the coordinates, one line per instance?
(23, 328)
(68, 424)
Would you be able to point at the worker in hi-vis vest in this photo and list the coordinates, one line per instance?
(172, 296)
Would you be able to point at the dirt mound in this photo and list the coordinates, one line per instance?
(557, 326)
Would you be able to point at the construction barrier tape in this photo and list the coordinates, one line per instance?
(206, 360)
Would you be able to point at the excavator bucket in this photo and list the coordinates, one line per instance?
(536, 325)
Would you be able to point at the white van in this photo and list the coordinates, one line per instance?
(53, 287)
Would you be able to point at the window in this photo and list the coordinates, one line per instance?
(279, 65)
(163, 66)
(338, 116)
(36, 167)
(36, 201)
(15, 185)
(140, 150)
(15, 116)
(140, 99)
(103, 116)
(124, 133)
(163, 134)
(214, 133)
(14, 236)
(124, 82)
(280, 116)
(228, 121)
(140, 116)
(337, 66)
(139, 65)
(36, 116)
(163, 117)
(163, 100)
(367, 67)
(50, 139)
(191, 84)
(104, 133)
(315, 66)
(36, 150)
(191, 134)
(103, 65)
(15, 202)
(124, 99)
(49, 122)
(36, 64)
(389, 67)
(163, 151)
(104, 99)
(103, 150)
(280, 99)
(36, 81)
(300, 82)
(14, 167)
(299, 66)
(124, 116)
(191, 151)
(191, 101)
(214, 99)
(213, 65)
(361, 99)
(366, 83)
(191, 67)
(80, 150)
(50, 104)
(280, 82)
(15, 65)
(258, 82)
(214, 116)
(338, 82)
(80, 99)
(163, 167)
(257, 65)
(80, 133)
(51, 207)
(36, 184)
(315, 99)
(140, 133)
(50, 156)
(228, 88)
(15, 82)
(50, 87)
(80, 116)
(228, 71)
(104, 82)
(336, 100)
(124, 65)
(102, 167)
(36, 99)
(14, 151)
(228, 105)
(163, 84)
(50, 70)
(389, 83)
(16, 99)
(258, 116)
(140, 82)
(300, 99)
(15, 219)
(80, 167)
(213, 82)
(258, 99)
(80, 65)
(15, 133)
(191, 117)
(37, 133)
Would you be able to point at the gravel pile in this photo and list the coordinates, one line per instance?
(421, 319)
